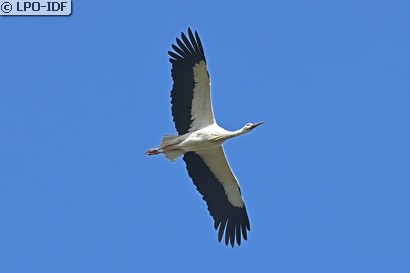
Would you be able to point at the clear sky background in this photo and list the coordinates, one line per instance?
(326, 180)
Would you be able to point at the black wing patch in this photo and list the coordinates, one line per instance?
(232, 220)
(188, 52)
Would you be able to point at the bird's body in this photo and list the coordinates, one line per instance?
(207, 138)
(200, 140)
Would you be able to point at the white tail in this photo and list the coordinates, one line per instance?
(170, 152)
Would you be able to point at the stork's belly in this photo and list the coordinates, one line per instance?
(198, 143)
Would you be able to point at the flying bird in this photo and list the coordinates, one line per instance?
(200, 139)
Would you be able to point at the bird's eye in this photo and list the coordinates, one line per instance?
(248, 124)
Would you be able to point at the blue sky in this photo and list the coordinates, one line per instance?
(325, 180)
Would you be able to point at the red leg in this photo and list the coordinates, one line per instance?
(154, 151)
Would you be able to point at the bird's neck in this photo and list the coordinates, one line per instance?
(237, 133)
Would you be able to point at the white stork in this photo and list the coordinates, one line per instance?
(200, 140)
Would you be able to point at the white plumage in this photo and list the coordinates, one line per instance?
(200, 140)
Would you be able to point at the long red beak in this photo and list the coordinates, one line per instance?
(256, 124)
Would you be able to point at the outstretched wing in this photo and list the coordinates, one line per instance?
(219, 187)
(191, 91)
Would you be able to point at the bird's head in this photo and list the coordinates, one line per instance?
(250, 126)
